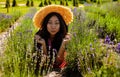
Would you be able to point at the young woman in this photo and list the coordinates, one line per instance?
(52, 37)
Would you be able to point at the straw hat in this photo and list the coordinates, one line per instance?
(65, 12)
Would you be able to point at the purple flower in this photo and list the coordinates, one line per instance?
(74, 34)
(75, 11)
(87, 4)
(55, 52)
(31, 13)
(107, 40)
(111, 43)
(118, 47)
(4, 16)
(90, 44)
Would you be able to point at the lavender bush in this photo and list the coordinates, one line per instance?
(7, 21)
(118, 48)
(86, 55)
(18, 50)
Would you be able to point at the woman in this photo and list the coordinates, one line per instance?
(52, 37)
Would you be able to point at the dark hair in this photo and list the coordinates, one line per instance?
(43, 32)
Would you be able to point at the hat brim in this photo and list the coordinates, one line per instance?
(65, 12)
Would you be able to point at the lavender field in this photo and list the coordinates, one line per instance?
(94, 50)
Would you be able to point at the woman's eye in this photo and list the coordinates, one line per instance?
(57, 23)
(49, 22)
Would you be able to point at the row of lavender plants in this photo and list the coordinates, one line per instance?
(17, 57)
(106, 20)
(6, 20)
(87, 55)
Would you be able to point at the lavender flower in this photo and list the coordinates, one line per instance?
(75, 11)
(4, 16)
(31, 13)
(90, 44)
(87, 4)
(53, 57)
(118, 48)
(74, 34)
(107, 40)
(89, 70)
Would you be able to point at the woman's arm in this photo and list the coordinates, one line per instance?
(60, 55)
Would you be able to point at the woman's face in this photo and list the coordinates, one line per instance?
(53, 25)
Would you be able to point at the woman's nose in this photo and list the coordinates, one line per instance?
(53, 26)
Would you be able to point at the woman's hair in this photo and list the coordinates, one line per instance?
(43, 32)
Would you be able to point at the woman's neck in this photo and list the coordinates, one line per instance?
(52, 37)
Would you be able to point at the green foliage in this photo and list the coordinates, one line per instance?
(106, 21)
(82, 37)
(18, 56)
(113, 10)
(85, 51)
(5, 23)
(18, 52)
(110, 67)
(16, 14)
(8, 20)
(88, 1)
(55, 1)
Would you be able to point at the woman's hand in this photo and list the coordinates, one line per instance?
(67, 38)
(42, 42)
(39, 40)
